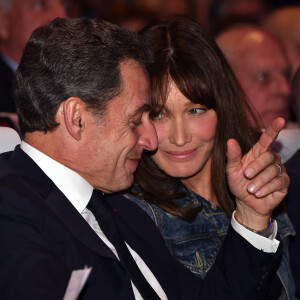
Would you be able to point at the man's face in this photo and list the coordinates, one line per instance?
(24, 17)
(115, 142)
(263, 72)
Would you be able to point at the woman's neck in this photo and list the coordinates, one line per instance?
(201, 183)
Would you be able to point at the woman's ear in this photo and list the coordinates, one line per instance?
(74, 113)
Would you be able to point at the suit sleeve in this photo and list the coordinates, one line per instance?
(29, 270)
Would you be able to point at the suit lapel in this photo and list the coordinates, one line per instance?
(76, 224)
(56, 201)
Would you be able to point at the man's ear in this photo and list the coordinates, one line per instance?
(3, 25)
(74, 113)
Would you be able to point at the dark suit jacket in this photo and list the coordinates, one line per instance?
(43, 239)
(293, 209)
(6, 79)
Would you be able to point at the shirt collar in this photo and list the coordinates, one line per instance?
(77, 190)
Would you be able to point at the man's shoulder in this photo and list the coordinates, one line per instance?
(8, 175)
(14, 184)
(10, 179)
(4, 157)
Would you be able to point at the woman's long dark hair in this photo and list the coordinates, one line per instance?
(185, 53)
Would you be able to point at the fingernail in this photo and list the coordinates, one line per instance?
(249, 172)
(258, 194)
(252, 188)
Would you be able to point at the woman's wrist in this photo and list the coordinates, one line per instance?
(251, 219)
(266, 232)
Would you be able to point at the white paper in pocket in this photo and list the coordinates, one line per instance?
(76, 283)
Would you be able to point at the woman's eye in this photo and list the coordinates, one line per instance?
(156, 116)
(197, 111)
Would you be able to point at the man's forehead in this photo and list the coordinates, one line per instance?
(128, 106)
(135, 95)
(264, 55)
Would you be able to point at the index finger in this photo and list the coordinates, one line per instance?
(269, 136)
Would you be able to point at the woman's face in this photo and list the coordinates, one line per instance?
(186, 133)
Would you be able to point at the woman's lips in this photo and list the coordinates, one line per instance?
(181, 154)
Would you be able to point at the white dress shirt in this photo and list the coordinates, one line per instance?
(78, 191)
(269, 245)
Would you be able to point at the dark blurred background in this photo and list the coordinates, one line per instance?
(212, 14)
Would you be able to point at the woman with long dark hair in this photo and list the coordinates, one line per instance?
(186, 185)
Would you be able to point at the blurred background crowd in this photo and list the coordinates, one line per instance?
(213, 14)
(259, 38)
(280, 18)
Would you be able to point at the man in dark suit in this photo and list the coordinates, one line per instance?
(82, 93)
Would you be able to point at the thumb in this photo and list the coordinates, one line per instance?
(234, 156)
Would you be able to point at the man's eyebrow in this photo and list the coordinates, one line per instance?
(142, 109)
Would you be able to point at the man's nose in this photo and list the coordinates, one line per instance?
(148, 136)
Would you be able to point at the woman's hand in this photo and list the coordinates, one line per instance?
(258, 180)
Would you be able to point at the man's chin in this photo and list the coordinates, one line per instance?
(119, 188)
(124, 185)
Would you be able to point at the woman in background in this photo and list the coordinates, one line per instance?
(197, 106)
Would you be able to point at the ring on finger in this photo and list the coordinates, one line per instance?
(280, 169)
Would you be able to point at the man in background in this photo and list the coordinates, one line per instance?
(18, 19)
(262, 68)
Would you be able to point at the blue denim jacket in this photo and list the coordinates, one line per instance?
(196, 244)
